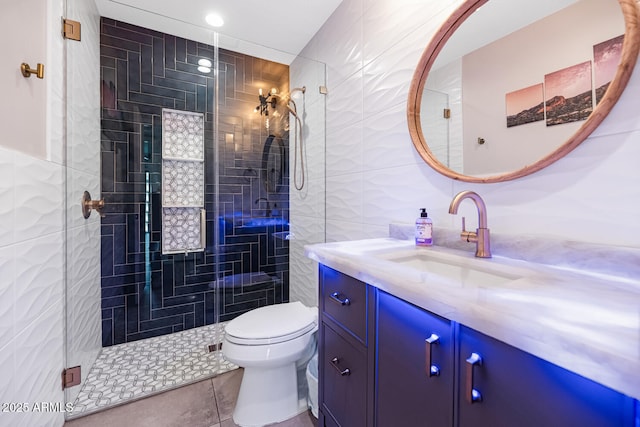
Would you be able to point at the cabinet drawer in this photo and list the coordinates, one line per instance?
(344, 382)
(344, 299)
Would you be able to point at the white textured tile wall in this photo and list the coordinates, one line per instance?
(7, 362)
(340, 230)
(387, 23)
(38, 269)
(31, 290)
(33, 235)
(344, 197)
(38, 197)
(7, 298)
(344, 104)
(30, 371)
(7, 202)
(303, 274)
(374, 175)
(387, 140)
(347, 151)
(341, 50)
(39, 350)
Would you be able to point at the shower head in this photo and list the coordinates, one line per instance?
(302, 89)
(289, 99)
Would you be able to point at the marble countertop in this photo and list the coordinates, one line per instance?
(586, 322)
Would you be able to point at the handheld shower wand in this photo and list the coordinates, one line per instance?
(298, 146)
(298, 149)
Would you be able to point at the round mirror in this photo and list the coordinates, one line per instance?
(507, 87)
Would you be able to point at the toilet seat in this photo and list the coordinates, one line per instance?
(273, 345)
(271, 324)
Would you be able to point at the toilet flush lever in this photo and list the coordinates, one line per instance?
(335, 297)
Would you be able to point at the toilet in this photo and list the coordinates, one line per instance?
(273, 344)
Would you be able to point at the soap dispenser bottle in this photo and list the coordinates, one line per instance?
(424, 229)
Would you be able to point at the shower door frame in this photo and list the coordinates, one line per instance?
(82, 246)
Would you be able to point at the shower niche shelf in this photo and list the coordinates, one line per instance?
(183, 213)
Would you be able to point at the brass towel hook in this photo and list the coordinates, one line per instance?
(88, 205)
(27, 70)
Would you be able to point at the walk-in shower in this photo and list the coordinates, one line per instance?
(196, 222)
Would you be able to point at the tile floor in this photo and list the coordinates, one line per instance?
(142, 368)
(207, 403)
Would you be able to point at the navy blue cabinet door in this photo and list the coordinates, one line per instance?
(344, 385)
(515, 388)
(415, 363)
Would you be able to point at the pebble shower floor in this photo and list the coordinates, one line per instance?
(130, 371)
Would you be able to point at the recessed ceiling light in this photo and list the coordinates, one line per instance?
(214, 20)
(204, 62)
(204, 69)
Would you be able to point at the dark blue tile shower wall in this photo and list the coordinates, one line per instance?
(145, 293)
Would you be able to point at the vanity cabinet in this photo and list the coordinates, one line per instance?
(345, 355)
(406, 366)
(501, 385)
(415, 365)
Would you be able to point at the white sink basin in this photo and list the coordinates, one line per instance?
(454, 268)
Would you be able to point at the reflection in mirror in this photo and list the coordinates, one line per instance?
(508, 87)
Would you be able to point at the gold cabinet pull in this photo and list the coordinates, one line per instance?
(27, 70)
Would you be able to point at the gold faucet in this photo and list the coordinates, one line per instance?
(481, 235)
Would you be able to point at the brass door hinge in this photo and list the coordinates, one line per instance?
(71, 377)
(447, 113)
(71, 29)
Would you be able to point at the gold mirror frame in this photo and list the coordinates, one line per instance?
(629, 56)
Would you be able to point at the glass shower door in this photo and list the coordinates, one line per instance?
(82, 249)
(141, 276)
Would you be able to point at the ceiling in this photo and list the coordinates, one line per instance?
(277, 30)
